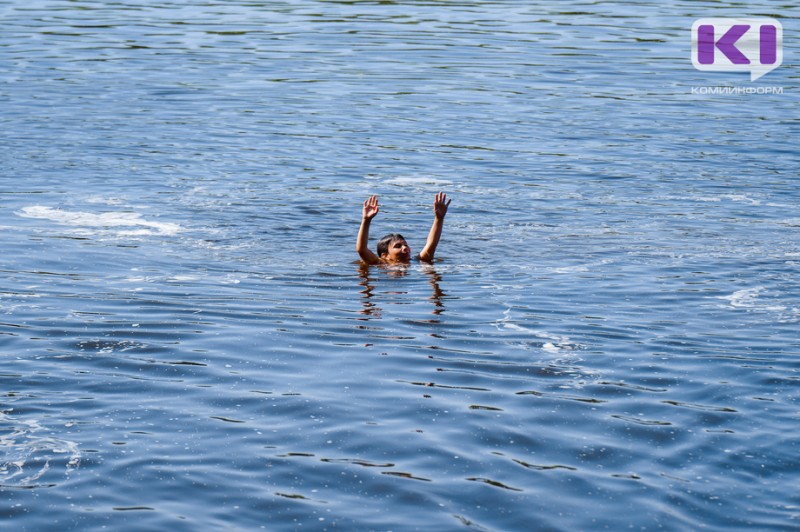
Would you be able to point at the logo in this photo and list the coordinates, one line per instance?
(752, 45)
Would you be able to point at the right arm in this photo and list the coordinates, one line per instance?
(440, 205)
(362, 243)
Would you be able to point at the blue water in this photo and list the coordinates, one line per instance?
(607, 339)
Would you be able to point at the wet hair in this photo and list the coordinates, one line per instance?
(386, 241)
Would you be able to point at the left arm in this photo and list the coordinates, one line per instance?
(440, 205)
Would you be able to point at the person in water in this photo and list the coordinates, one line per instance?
(393, 248)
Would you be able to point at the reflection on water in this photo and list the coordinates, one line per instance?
(369, 277)
(437, 294)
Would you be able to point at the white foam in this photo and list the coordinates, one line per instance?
(571, 269)
(737, 198)
(141, 227)
(742, 198)
(422, 180)
(28, 449)
(748, 298)
(105, 201)
(580, 268)
(743, 298)
(183, 278)
(552, 343)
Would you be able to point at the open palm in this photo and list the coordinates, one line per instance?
(440, 205)
(371, 207)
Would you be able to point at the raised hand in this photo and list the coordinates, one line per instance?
(440, 205)
(371, 208)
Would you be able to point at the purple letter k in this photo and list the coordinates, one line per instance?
(706, 44)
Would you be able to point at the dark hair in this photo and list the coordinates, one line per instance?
(386, 241)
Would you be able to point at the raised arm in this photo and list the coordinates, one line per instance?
(440, 205)
(362, 243)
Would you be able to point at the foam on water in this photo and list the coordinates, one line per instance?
(418, 180)
(104, 220)
(31, 457)
(750, 299)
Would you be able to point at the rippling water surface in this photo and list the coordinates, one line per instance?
(608, 338)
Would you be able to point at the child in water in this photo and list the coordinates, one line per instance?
(393, 248)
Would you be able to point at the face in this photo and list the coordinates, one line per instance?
(398, 252)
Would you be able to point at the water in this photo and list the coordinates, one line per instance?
(608, 337)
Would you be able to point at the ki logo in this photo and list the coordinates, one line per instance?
(752, 45)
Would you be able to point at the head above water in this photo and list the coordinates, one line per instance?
(394, 248)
